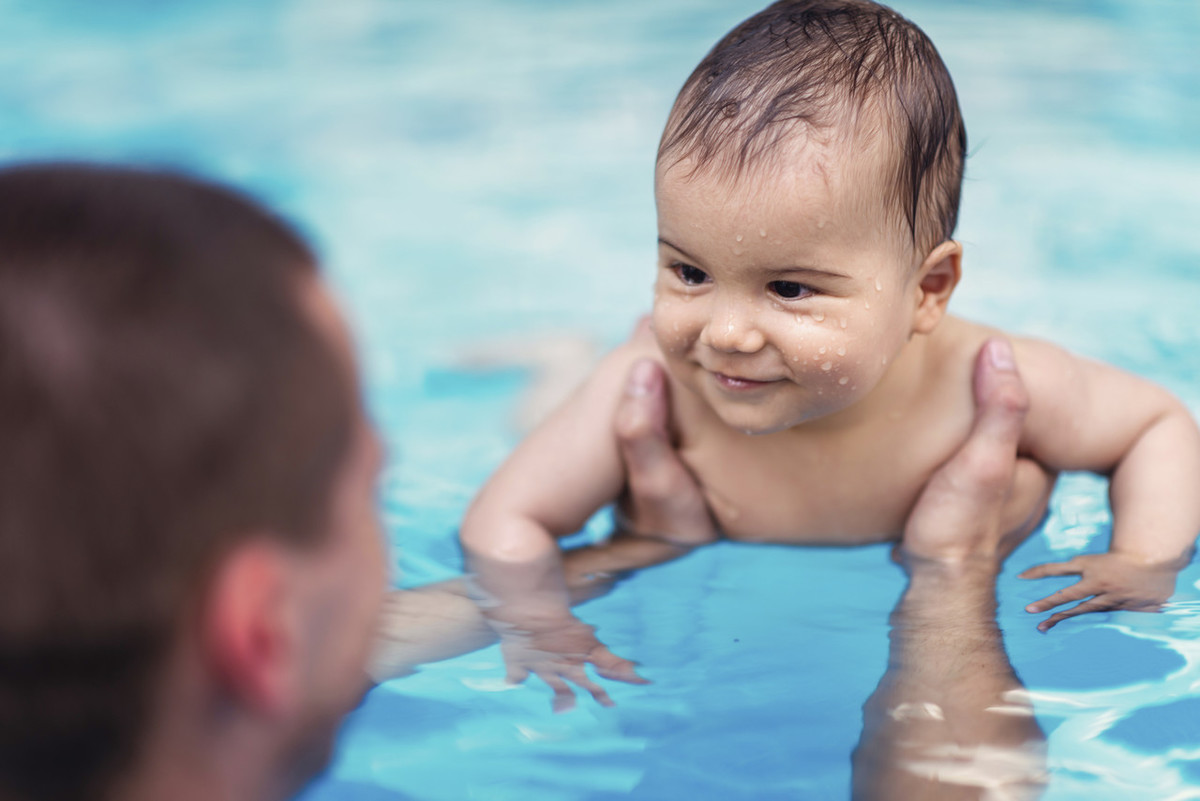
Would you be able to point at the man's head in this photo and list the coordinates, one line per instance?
(183, 453)
(807, 185)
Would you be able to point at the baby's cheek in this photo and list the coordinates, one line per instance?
(813, 337)
(668, 323)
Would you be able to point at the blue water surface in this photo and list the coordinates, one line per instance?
(483, 170)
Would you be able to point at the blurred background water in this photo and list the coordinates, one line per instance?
(483, 170)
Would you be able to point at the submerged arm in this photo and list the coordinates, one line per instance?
(564, 471)
(950, 719)
(441, 620)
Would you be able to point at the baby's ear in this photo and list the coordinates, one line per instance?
(936, 278)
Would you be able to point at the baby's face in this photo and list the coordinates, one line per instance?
(782, 299)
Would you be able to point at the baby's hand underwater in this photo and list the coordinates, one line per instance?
(557, 651)
(1108, 582)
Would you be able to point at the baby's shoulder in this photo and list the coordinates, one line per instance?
(960, 341)
(598, 394)
(612, 370)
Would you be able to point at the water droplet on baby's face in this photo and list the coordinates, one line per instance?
(841, 351)
(867, 305)
(842, 322)
(821, 349)
(738, 238)
(844, 380)
(675, 327)
(819, 316)
(878, 285)
(827, 366)
(884, 362)
(762, 232)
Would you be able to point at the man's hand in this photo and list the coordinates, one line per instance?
(978, 503)
(946, 653)
(663, 500)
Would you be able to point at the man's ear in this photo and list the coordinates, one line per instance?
(248, 635)
(936, 278)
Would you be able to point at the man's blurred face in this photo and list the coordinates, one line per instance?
(340, 583)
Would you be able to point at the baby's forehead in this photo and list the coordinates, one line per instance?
(848, 168)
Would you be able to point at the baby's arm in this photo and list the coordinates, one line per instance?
(565, 470)
(1090, 416)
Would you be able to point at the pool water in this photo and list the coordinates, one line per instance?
(483, 172)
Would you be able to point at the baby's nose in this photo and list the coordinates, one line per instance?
(733, 330)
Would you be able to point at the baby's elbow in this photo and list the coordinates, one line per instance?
(1172, 414)
(501, 533)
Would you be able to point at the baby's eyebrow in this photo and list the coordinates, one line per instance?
(790, 270)
(808, 270)
(673, 246)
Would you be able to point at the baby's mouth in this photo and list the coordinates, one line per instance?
(739, 383)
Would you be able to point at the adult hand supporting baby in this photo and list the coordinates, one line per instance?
(950, 718)
(663, 500)
(966, 508)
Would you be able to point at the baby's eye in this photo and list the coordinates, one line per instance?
(690, 275)
(789, 290)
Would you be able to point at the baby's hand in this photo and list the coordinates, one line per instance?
(557, 650)
(1108, 581)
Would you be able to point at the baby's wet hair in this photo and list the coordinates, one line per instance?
(828, 67)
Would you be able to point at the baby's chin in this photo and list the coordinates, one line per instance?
(762, 420)
(756, 422)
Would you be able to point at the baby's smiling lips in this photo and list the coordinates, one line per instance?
(740, 384)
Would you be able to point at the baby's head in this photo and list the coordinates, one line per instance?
(807, 185)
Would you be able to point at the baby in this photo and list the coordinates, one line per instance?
(807, 188)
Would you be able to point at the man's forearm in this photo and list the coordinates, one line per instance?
(949, 716)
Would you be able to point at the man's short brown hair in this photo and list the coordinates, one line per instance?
(821, 64)
(163, 395)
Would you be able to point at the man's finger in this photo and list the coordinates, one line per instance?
(664, 499)
(641, 427)
(1000, 395)
(984, 465)
(959, 510)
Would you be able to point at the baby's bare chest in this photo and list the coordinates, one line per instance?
(857, 494)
